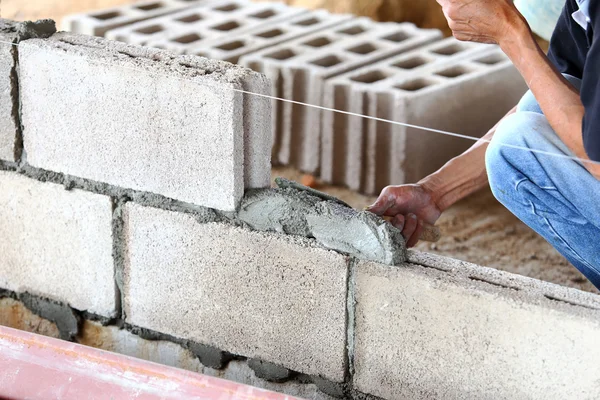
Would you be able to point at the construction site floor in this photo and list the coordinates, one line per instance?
(479, 229)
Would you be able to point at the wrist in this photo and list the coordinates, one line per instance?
(516, 35)
(433, 185)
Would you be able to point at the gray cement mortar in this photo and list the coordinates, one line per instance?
(269, 371)
(295, 210)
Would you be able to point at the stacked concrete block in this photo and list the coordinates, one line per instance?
(462, 88)
(472, 333)
(180, 32)
(143, 119)
(299, 69)
(97, 23)
(57, 243)
(232, 48)
(265, 296)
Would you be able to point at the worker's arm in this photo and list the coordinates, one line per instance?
(498, 21)
(411, 205)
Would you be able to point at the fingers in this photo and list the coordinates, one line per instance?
(412, 242)
(398, 222)
(383, 203)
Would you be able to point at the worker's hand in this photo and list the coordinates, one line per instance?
(485, 21)
(408, 206)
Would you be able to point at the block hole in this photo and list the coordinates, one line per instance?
(328, 61)
(281, 54)
(188, 19)
(365, 48)
(264, 14)
(318, 42)
(554, 298)
(191, 38)
(308, 22)
(449, 50)
(227, 26)
(491, 59)
(370, 77)
(454, 72)
(397, 37)
(476, 279)
(270, 34)
(228, 7)
(148, 7)
(150, 29)
(108, 15)
(416, 85)
(355, 30)
(232, 45)
(412, 62)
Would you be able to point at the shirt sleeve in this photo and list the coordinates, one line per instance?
(568, 44)
(590, 89)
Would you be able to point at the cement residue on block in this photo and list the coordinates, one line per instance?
(336, 226)
(143, 119)
(254, 294)
(66, 320)
(468, 339)
(269, 371)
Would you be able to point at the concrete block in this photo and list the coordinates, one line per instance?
(98, 22)
(14, 314)
(57, 244)
(231, 48)
(299, 68)
(464, 88)
(11, 33)
(264, 296)
(184, 31)
(143, 119)
(457, 331)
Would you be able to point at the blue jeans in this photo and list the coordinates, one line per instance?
(556, 197)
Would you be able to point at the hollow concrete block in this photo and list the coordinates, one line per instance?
(57, 244)
(143, 119)
(231, 48)
(458, 87)
(300, 67)
(184, 31)
(259, 295)
(457, 331)
(98, 22)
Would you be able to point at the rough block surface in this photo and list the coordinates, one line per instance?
(258, 295)
(425, 333)
(143, 119)
(11, 33)
(57, 243)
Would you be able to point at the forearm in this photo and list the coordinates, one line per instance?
(462, 175)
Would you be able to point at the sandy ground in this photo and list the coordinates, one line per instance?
(477, 230)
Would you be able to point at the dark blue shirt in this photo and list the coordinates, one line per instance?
(576, 51)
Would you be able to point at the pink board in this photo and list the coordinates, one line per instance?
(38, 367)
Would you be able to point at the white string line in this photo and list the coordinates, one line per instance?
(442, 132)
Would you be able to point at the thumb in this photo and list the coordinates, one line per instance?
(381, 205)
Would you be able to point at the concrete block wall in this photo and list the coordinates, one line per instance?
(288, 281)
(98, 22)
(179, 32)
(463, 88)
(299, 69)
